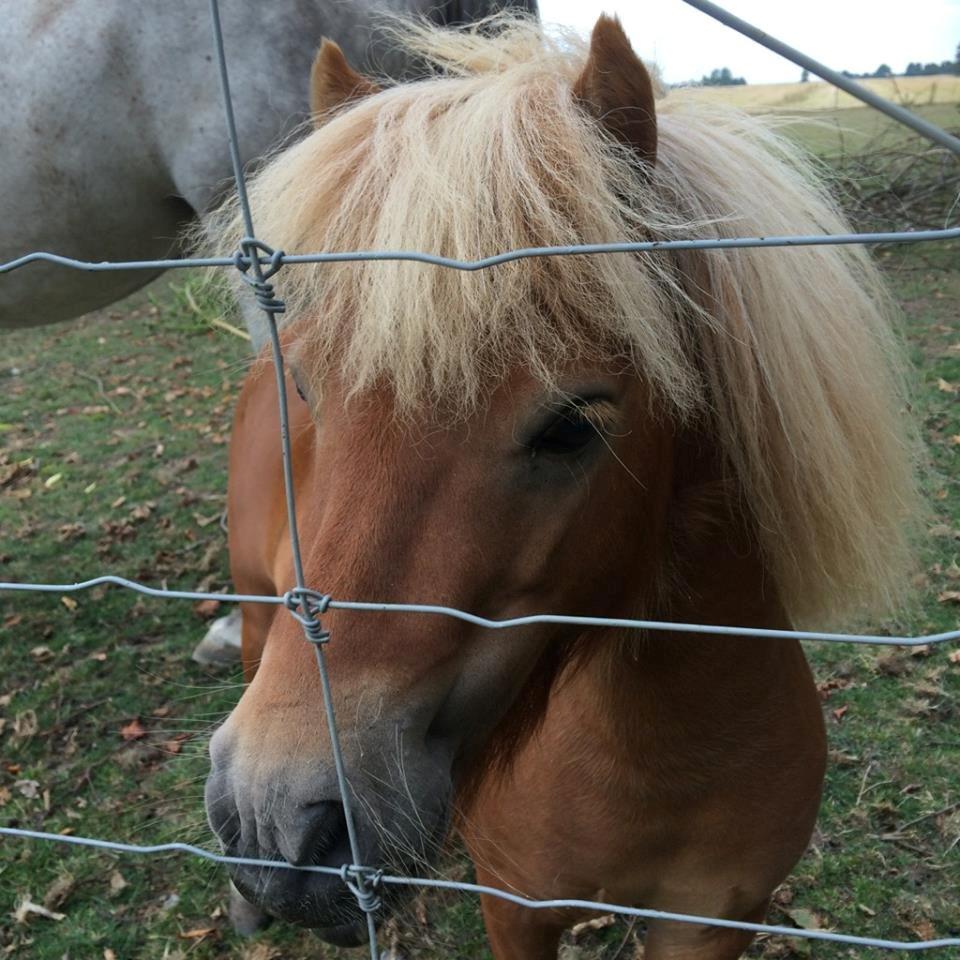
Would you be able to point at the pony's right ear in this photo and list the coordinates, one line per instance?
(333, 82)
(616, 89)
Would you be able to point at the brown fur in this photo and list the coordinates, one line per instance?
(334, 83)
(616, 87)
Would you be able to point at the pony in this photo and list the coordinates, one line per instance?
(112, 133)
(711, 436)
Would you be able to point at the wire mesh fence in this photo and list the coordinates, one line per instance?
(257, 264)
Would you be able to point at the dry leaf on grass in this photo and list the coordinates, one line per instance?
(261, 951)
(806, 919)
(206, 608)
(597, 923)
(59, 891)
(28, 788)
(27, 909)
(134, 730)
(117, 883)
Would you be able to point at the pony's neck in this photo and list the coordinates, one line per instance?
(713, 573)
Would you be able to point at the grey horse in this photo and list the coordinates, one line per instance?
(112, 135)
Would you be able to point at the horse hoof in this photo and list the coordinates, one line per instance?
(222, 641)
(245, 917)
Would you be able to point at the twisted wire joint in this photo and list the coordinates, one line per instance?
(365, 886)
(249, 252)
(307, 606)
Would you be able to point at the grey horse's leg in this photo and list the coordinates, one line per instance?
(245, 917)
(221, 644)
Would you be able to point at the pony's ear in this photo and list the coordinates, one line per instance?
(333, 82)
(616, 88)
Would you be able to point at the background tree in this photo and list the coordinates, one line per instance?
(722, 77)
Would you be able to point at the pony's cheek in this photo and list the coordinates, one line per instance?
(493, 670)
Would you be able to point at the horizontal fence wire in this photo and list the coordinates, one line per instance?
(484, 263)
(478, 888)
(724, 630)
(305, 604)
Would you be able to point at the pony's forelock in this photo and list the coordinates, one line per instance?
(786, 354)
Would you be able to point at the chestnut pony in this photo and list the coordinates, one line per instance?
(703, 436)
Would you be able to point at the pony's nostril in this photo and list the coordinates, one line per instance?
(222, 812)
(314, 833)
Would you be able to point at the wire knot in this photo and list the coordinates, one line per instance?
(248, 254)
(306, 606)
(365, 886)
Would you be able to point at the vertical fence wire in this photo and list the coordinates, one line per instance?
(360, 884)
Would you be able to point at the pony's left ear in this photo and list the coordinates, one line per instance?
(333, 82)
(616, 88)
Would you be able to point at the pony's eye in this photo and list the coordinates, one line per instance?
(296, 383)
(570, 432)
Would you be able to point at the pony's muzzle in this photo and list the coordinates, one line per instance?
(263, 807)
(300, 834)
(301, 824)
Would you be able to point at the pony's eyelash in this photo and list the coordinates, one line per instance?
(600, 413)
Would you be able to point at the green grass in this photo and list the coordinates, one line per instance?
(130, 409)
(856, 129)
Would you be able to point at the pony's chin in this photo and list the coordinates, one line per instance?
(346, 935)
(325, 909)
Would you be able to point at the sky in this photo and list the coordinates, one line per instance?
(855, 35)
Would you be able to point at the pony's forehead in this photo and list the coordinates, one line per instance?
(448, 382)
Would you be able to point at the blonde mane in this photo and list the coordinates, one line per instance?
(785, 355)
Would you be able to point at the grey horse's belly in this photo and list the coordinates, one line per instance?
(80, 174)
(40, 293)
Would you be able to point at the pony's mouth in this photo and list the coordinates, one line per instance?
(346, 935)
(399, 828)
(317, 903)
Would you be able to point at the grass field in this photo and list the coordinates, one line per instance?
(113, 436)
(856, 129)
(819, 96)
(829, 121)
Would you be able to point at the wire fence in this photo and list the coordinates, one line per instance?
(257, 264)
